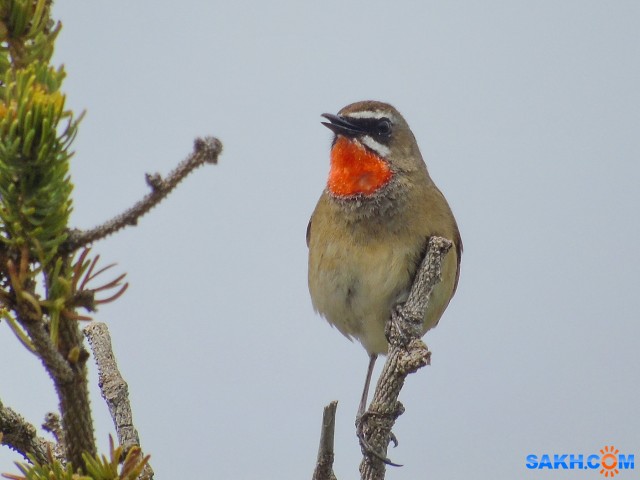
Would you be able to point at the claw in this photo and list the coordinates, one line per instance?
(368, 448)
(393, 439)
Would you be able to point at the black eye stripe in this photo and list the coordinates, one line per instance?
(376, 127)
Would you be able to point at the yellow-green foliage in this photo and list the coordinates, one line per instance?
(35, 133)
(98, 468)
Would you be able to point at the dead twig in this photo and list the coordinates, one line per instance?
(114, 389)
(205, 150)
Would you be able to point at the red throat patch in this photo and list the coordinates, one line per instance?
(354, 169)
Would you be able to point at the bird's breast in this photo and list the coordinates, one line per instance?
(356, 170)
(354, 284)
(360, 267)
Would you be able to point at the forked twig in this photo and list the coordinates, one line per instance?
(205, 150)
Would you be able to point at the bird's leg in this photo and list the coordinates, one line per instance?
(362, 413)
(367, 382)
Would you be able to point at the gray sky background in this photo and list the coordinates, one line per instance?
(528, 115)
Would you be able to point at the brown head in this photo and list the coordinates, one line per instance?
(373, 148)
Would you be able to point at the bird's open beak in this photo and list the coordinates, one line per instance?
(339, 125)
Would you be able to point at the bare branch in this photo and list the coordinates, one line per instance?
(113, 387)
(205, 150)
(52, 425)
(19, 435)
(324, 465)
(407, 353)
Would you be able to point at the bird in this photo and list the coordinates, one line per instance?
(369, 230)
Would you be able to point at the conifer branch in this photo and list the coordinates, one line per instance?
(53, 361)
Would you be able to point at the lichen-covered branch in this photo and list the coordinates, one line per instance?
(114, 388)
(19, 435)
(205, 150)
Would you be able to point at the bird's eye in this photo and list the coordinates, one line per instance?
(384, 127)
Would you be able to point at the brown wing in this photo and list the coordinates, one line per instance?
(457, 240)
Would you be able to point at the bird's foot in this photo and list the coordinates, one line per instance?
(367, 448)
(403, 326)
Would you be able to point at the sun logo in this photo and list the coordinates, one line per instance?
(609, 461)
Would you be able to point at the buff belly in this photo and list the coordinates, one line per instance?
(355, 286)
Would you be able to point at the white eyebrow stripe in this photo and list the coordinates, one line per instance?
(370, 114)
(377, 147)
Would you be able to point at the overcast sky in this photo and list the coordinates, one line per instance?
(528, 116)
